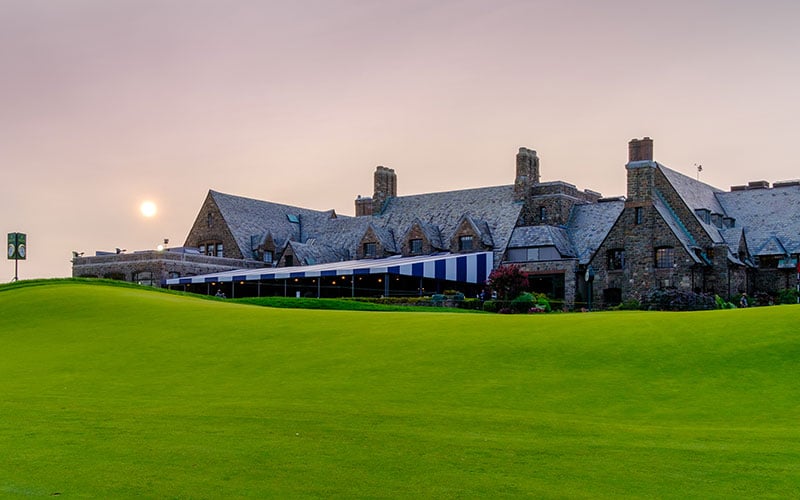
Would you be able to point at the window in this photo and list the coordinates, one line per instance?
(415, 246)
(288, 260)
(210, 220)
(616, 259)
(370, 249)
(639, 215)
(664, 258)
(533, 254)
(542, 213)
(268, 256)
(517, 254)
(213, 249)
(464, 243)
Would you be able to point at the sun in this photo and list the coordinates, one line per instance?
(148, 208)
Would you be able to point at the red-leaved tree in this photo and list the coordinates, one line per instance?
(508, 281)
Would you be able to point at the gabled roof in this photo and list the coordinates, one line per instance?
(589, 225)
(769, 217)
(247, 217)
(734, 238)
(385, 237)
(539, 236)
(696, 195)
(493, 205)
(431, 232)
(480, 227)
(676, 226)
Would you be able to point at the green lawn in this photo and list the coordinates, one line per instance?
(121, 392)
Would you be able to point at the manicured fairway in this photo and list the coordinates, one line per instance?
(117, 392)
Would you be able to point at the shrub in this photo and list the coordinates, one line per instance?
(523, 303)
(490, 306)
(677, 300)
(543, 303)
(629, 305)
(722, 303)
(508, 281)
(787, 296)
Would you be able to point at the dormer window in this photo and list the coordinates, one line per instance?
(464, 243)
(704, 215)
(415, 246)
(370, 250)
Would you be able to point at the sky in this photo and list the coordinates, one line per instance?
(108, 103)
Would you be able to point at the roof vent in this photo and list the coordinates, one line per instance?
(738, 188)
(782, 184)
(758, 185)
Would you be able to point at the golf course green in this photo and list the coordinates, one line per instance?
(118, 392)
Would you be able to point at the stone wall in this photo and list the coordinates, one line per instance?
(416, 233)
(211, 227)
(554, 201)
(154, 265)
(565, 267)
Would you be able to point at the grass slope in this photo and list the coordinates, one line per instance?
(122, 392)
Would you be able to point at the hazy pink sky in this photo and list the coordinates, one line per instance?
(106, 103)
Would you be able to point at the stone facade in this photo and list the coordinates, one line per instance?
(416, 233)
(210, 228)
(152, 267)
(669, 231)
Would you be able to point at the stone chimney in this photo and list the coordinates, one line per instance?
(641, 172)
(363, 206)
(640, 149)
(527, 173)
(385, 188)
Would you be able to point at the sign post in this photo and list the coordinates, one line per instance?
(17, 250)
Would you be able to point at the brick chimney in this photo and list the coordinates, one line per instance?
(385, 187)
(640, 149)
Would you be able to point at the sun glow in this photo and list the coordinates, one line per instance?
(148, 208)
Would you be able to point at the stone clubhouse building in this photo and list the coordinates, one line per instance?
(669, 231)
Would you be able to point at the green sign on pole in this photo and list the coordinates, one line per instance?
(17, 248)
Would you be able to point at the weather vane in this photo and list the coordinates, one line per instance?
(699, 169)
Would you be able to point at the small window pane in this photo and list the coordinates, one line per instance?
(664, 257)
(517, 254)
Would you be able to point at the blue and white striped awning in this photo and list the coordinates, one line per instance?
(464, 268)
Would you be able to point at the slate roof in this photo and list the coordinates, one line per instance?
(385, 236)
(493, 205)
(492, 210)
(677, 227)
(313, 252)
(431, 232)
(696, 195)
(589, 224)
(540, 236)
(770, 218)
(247, 217)
(733, 237)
